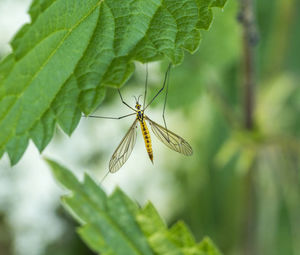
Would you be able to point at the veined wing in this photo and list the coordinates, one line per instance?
(124, 149)
(170, 139)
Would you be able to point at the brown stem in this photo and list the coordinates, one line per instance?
(250, 39)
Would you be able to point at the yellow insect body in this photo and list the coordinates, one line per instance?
(167, 137)
(147, 138)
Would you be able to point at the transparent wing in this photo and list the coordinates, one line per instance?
(170, 139)
(124, 149)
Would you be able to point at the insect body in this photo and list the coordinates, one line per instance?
(126, 146)
(145, 131)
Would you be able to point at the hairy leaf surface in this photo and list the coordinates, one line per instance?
(72, 50)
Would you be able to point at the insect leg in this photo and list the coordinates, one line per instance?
(146, 87)
(125, 102)
(166, 96)
(111, 118)
(104, 177)
(165, 79)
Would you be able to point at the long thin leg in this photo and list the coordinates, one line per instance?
(165, 103)
(146, 87)
(125, 102)
(110, 118)
(104, 177)
(166, 76)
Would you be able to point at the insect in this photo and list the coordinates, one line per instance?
(170, 139)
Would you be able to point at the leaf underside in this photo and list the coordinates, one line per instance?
(72, 50)
(116, 225)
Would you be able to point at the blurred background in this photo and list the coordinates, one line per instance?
(241, 187)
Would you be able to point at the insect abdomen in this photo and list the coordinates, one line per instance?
(147, 139)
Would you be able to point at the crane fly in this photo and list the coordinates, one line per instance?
(167, 137)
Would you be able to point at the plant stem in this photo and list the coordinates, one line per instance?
(250, 39)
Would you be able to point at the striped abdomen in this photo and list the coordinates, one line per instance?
(147, 139)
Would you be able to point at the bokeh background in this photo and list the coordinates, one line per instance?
(241, 187)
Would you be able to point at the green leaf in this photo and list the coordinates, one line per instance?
(206, 13)
(177, 240)
(71, 51)
(208, 247)
(116, 225)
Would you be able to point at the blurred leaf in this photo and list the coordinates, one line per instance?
(6, 238)
(208, 247)
(243, 147)
(116, 225)
(279, 100)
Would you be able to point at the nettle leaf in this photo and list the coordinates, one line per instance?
(176, 240)
(72, 50)
(116, 225)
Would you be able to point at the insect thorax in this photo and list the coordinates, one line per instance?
(140, 115)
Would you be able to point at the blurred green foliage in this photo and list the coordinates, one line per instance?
(242, 189)
(5, 236)
(69, 243)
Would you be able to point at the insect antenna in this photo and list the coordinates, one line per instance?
(139, 98)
